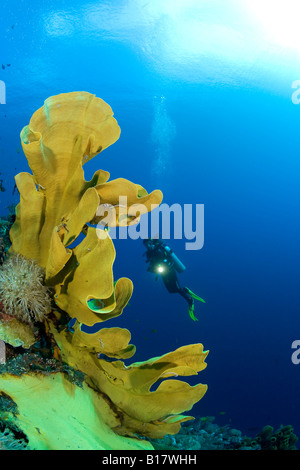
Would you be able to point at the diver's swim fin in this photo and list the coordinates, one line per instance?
(196, 297)
(191, 313)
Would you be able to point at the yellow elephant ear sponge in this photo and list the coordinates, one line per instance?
(65, 133)
(57, 204)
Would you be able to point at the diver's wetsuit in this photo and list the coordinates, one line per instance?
(171, 282)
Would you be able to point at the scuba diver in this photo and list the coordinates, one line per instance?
(162, 260)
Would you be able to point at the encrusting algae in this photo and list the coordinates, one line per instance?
(113, 406)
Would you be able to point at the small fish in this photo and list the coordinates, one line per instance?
(222, 413)
(3, 66)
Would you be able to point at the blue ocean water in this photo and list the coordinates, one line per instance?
(202, 91)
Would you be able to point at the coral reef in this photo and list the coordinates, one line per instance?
(283, 438)
(5, 226)
(2, 251)
(204, 434)
(201, 434)
(8, 441)
(114, 404)
(14, 332)
(11, 438)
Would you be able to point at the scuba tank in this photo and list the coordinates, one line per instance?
(173, 260)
